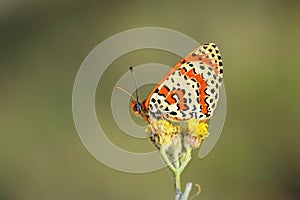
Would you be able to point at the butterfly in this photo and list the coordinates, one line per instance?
(191, 89)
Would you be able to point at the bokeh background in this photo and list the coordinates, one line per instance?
(42, 44)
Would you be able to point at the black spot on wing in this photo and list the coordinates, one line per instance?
(183, 114)
(167, 88)
(194, 70)
(205, 91)
(206, 99)
(194, 108)
(191, 114)
(151, 107)
(173, 113)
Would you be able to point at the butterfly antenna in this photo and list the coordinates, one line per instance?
(125, 91)
(135, 84)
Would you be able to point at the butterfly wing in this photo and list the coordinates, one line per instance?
(191, 89)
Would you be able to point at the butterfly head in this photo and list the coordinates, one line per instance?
(136, 107)
(140, 109)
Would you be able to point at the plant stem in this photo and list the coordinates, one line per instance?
(187, 191)
(166, 159)
(177, 166)
(179, 170)
(177, 180)
(177, 173)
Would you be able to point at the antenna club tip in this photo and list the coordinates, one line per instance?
(130, 68)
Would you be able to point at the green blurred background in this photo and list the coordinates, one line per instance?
(42, 46)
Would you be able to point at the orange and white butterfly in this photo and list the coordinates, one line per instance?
(191, 89)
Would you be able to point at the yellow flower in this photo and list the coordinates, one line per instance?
(195, 132)
(161, 132)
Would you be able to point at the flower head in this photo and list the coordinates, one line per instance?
(194, 132)
(162, 132)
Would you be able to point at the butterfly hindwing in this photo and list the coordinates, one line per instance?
(191, 88)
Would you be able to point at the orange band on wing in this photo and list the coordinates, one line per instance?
(202, 58)
(164, 91)
(202, 93)
(183, 60)
(170, 99)
(190, 74)
(180, 95)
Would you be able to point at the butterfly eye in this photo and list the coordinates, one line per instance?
(138, 107)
